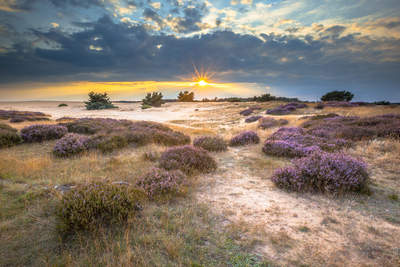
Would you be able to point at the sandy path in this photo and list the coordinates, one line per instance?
(295, 229)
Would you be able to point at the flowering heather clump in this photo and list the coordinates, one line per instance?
(160, 182)
(281, 148)
(295, 142)
(245, 138)
(20, 116)
(8, 136)
(337, 104)
(70, 144)
(108, 143)
(139, 133)
(252, 119)
(151, 155)
(268, 122)
(39, 133)
(210, 143)
(323, 172)
(355, 128)
(286, 109)
(246, 112)
(187, 159)
(88, 206)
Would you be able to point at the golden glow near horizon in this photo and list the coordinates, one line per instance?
(124, 90)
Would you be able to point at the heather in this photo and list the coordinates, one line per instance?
(89, 206)
(323, 172)
(42, 132)
(21, 116)
(160, 182)
(337, 104)
(71, 144)
(355, 128)
(252, 119)
(8, 136)
(210, 143)
(188, 159)
(110, 134)
(296, 142)
(286, 109)
(246, 112)
(268, 122)
(245, 138)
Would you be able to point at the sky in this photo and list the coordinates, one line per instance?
(62, 49)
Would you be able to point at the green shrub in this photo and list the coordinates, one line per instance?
(62, 105)
(8, 136)
(186, 96)
(153, 100)
(88, 206)
(337, 96)
(98, 101)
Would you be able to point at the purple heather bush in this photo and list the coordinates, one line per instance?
(188, 159)
(71, 144)
(8, 136)
(246, 112)
(20, 116)
(211, 143)
(295, 142)
(252, 119)
(42, 132)
(268, 122)
(355, 128)
(286, 109)
(159, 182)
(88, 206)
(245, 138)
(323, 172)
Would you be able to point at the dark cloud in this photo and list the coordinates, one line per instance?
(78, 3)
(150, 14)
(131, 53)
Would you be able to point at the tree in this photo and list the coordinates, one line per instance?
(185, 96)
(98, 101)
(153, 99)
(337, 96)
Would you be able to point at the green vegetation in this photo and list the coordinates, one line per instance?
(186, 96)
(153, 99)
(62, 105)
(337, 96)
(98, 101)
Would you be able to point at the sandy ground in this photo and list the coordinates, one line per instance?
(129, 111)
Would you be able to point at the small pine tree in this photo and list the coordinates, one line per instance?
(98, 101)
(185, 96)
(337, 96)
(153, 99)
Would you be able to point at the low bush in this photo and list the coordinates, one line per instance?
(355, 128)
(71, 144)
(268, 122)
(323, 172)
(252, 119)
(8, 136)
(295, 142)
(246, 112)
(62, 105)
(20, 116)
(188, 159)
(245, 138)
(88, 206)
(151, 155)
(160, 182)
(108, 143)
(286, 109)
(42, 132)
(186, 96)
(210, 143)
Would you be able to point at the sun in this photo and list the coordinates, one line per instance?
(202, 83)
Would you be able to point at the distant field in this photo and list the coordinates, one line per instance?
(232, 216)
